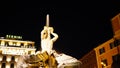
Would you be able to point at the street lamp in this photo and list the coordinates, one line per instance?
(103, 64)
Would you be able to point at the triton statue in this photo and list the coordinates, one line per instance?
(47, 57)
(44, 58)
(46, 40)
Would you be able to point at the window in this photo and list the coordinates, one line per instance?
(0, 52)
(14, 43)
(2, 43)
(4, 58)
(112, 45)
(12, 65)
(22, 45)
(104, 63)
(6, 43)
(115, 57)
(13, 58)
(30, 45)
(117, 42)
(3, 65)
(29, 52)
(102, 50)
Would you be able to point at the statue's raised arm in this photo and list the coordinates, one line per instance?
(55, 35)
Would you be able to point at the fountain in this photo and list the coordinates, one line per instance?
(47, 57)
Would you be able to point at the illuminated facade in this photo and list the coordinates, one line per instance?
(107, 52)
(11, 47)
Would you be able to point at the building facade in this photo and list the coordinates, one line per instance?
(107, 52)
(11, 47)
(89, 60)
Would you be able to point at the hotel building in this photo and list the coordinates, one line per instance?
(107, 52)
(11, 47)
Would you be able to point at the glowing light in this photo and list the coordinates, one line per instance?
(0, 58)
(10, 43)
(25, 43)
(102, 63)
(8, 58)
(16, 59)
(18, 43)
(2, 43)
(7, 65)
(13, 37)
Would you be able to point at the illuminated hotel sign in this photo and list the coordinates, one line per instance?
(13, 37)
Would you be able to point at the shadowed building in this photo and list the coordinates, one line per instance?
(89, 60)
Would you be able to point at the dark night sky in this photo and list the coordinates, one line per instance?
(80, 28)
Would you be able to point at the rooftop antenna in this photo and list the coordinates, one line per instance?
(47, 20)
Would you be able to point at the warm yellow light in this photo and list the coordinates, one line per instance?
(16, 59)
(8, 59)
(25, 43)
(103, 64)
(7, 65)
(0, 58)
(10, 43)
(2, 43)
(18, 43)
